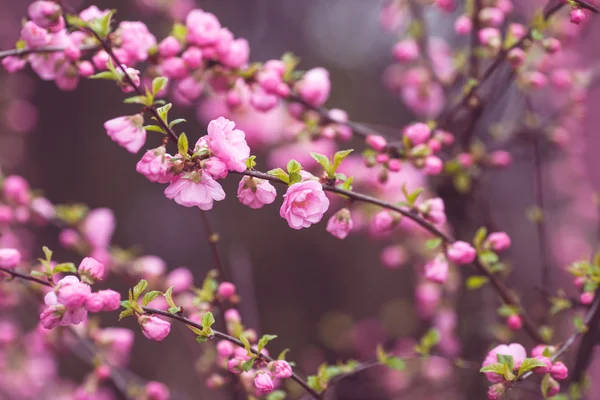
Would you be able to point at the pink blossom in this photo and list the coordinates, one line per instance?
(376, 142)
(490, 37)
(9, 258)
(34, 35)
(263, 383)
(98, 227)
(57, 313)
(124, 83)
(51, 316)
(188, 89)
(225, 348)
(192, 57)
(434, 210)
(71, 292)
(150, 267)
(433, 165)
(496, 392)
(16, 190)
(136, 40)
(203, 28)
(215, 167)
(559, 371)
(417, 133)
(174, 68)
(383, 222)
(545, 369)
(263, 101)
(234, 365)
(463, 25)
(237, 54)
(515, 350)
(157, 391)
(255, 193)
(491, 16)
(340, 224)
(514, 322)
(577, 16)
(304, 204)
(228, 144)
(406, 50)
(314, 86)
(181, 279)
(169, 47)
(226, 290)
(461, 252)
(103, 300)
(155, 165)
(436, 270)
(393, 256)
(127, 132)
(500, 158)
(195, 189)
(68, 238)
(498, 241)
(153, 327)
(13, 63)
(91, 270)
(281, 369)
(45, 14)
(91, 13)
(586, 298)
(43, 208)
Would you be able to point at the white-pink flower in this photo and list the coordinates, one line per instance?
(127, 131)
(255, 193)
(340, 224)
(228, 144)
(314, 86)
(136, 40)
(155, 165)
(304, 204)
(515, 350)
(196, 189)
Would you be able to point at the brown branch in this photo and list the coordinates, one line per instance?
(42, 50)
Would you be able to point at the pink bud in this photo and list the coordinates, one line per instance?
(127, 131)
(110, 298)
(192, 57)
(68, 238)
(406, 50)
(157, 391)
(153, 327)
(436, 270)
(34, 35)
(234, 365)
(498, 241)
(491, 16)
(44, 13)
(461, 252)
(225, 348)
(490, 37)
(577, 16)
(314, 86)
(232, 315)
(463, 25)
(174, 68)
(340, 224)
(71, 292)
(514, 322)
(155, 165)
(376, 142)
(393, 256)
(85, 69)
(382, 158)
(553, 388)
(281, 369)
(417, 133)
(551, 45)
(13, 64)
(383, 222)
(9, 258)
(169, 47)
(559, 371)
(586, 298)
(226, 290)
(500, 158)
(496, 392)
(103, 372)
(263, 383)
(516, 57)
(545, 369)
(395, 165)
(255, 193)
(433, 165)
(91, 270)
(51, 316)
(181, 279)
(16, 190)
(465, 159)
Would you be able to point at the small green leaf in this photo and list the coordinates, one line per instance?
(580, 324)
(277, 395)
(347, 185)
(154, 128)
(529, 364)
(324, 162)
(202, 339)
(506, 359)
(506, 310)
(163, 112)
(108, 75)
(179, 31)
(395, 363)
(559, 304)
(281, 355)
(293, 166)
(476, 282)
(488, 257)
(64, 267)
(136, 100)
(47, 253)
(208, 320)
(38, 274)
(176, 121)
(169, 296)
(428, 341)
(280, 174)
(102, 25)
(295, 178)
(545, 385)
(246, 343)
(497, 368)
(264, 340)
(139, 289)
(480, 236)
(148, 297)
(247, 365)
(432, 244)
(159, 84)
(182, 145)
(339, 157)
(125, 313)
(250, 162)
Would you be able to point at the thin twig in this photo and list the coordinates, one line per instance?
(42, 50)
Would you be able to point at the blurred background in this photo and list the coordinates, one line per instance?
(326, 299)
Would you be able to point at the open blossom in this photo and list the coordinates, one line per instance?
(103, 300)
(340, 224)
(228, 144)
(34, 35)
(203, 28)
(57, 313)
(98, 227)
(314, 86)
(237, 54)
(155, 165)
(515, 350)
(304, 204)
(153, 327)
(196, 189)
(9, 258)
(417, 133)
(127, 131)
(281, 369)
(16, 190)
(136, 40)
(436, 270)
(46, 14)
(434, 210)
(461, 252)
(255, 193)
(263, 383)
(90, 270)
(71, 292)
(13, 63)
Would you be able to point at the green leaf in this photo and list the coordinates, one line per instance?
(559, 304)
(182, 144)
(396, 363)
(276, 395)
(497, 368)
(295, 178)
(125, 313)
(250, 162)
(64, 267)
(179, 31)
(488, 257)
(169, 296)
(339, 157)
(411, 198)
(280, 174)
(176, 121)
(155, 128)
(480, 236)
(202, 339)
(281, 355)
(139, 289)
(264, 340)
(433, 243)
(293, 166)
(75, 20)
(476, 282)
(347, 185)
(159, 84)
(506, 359)
(324, 162)
(208, 320)
(247, 365)
(136, 100)
(429, 340)
(38, 274)
(506, 310)
(148, 297)
(47, 253)
(102, 25)
(108, 75)
(163, 112)
(246, 343)
(545, 385)
(580, 324)
(529, 364)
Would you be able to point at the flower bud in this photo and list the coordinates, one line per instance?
(153, 327)
(91, 270)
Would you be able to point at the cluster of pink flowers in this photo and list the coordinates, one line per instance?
(71, 299)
